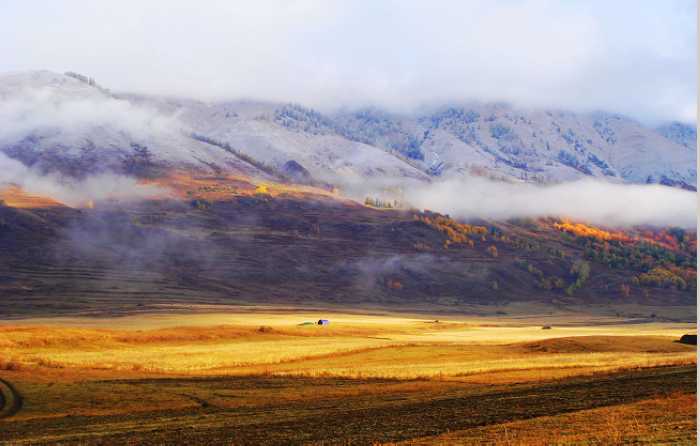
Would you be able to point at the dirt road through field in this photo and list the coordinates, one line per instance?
(10, 399)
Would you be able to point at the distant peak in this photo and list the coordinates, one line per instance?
(86, 79)
(34, 79)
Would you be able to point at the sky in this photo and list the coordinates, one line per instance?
(636, 57)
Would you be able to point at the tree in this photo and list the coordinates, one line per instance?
(140, 162)
(493, 251)
(625, 290)
(581, 270)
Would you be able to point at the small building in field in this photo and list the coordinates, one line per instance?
(324, 322)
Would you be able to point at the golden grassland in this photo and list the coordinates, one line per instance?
(352, 346)
(185, 185)
(263, 377)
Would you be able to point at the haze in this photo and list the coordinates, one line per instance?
(632, 57)
(598, 202)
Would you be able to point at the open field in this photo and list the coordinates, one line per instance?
(353, 345)
(260, 377)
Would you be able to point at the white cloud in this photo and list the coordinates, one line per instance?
(628, 56)
(72, 192)
(31, 110)
(586, 200)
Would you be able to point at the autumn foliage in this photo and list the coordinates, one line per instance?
(457, 233)
(583, 230)
(668, 277)
(673, 238)
(664, 258)
(493, 251)
(394, 284)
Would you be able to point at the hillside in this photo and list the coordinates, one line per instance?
(221, 239)
(78, 126)
(115, 202)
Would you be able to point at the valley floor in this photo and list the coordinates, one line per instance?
(275, 377)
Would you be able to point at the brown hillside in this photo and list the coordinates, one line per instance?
(226, 240)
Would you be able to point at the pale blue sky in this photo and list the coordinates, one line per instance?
(634, 57)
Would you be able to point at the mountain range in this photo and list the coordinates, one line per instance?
(70, 124)
(249, 202)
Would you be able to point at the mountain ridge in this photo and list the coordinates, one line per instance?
(346, 148)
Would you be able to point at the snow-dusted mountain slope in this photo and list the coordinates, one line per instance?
(255, 130)
(69, 123)
(543, 146)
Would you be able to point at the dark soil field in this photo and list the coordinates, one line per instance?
(329, 411)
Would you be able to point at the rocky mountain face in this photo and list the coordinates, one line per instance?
(680, 133)
(69, 123)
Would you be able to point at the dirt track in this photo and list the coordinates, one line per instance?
(10, 399)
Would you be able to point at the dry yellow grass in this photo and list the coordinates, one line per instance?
(16, 197)
(353, 346)
(431, 361)
(223, 187)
